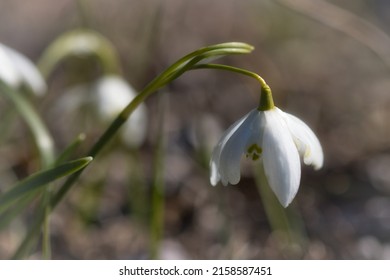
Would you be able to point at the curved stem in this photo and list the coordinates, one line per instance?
(41, 135)
(45, 146)
(233, 69)
(82, 7)
(266, 100)
(76, 42)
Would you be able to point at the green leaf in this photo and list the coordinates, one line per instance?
(9, 215)
(68, 151)
(39, 180)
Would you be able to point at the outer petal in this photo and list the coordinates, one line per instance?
(216, 164)
(234, 148)
(308, 145)
(29, 74)
(280, 158)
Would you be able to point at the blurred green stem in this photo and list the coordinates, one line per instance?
(41, 135)
(83, 7)
(266, 100)
(45, 147)
(235, 70)
(157, 209)
(286, 222)
(276, 214)
(80, 42)
(138, 192)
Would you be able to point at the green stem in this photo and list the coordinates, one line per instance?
(138, 192)
(45, 146)
(68, 44)
(233, 69)
(286, 222)
(276, 214)
(103, 140)
(266, 100)
(67, 152)
(41, 135)
(82, 7)
(31, 236)
(171, 73)
(46, 244)
(157, 210)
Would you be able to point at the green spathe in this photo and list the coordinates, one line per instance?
(266, 100)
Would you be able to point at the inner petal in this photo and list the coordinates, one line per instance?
(254, 148)
(254, 152)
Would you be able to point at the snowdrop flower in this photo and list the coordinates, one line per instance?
(112, 95)
(80, 43)
(17, 70)
(273, 138)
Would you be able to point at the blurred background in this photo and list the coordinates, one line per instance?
(327, 62)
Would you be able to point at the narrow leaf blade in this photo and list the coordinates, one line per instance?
(40, 179)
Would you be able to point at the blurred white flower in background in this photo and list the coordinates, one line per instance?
(17, 70)
(101, 102)
(274, 138)
(112, 94)
(204, 132)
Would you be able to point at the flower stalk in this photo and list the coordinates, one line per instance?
(266, 100)
(157, 208)
(174, 71)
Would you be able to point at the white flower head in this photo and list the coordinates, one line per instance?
(17, 70)
(274, 138)
(112, 95)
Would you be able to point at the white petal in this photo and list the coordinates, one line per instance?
(8, 73)
(215, 175)
(225, 160)
(280, 158)
(113, 94)
(134, 130)
(29, 74)
(234, 149)
(308, 145)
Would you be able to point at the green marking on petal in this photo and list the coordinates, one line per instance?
(255, 157)
(254, 148)
(254, 152)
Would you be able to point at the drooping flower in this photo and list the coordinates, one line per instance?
(274, 138)
(112, 94)
(17, 70)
